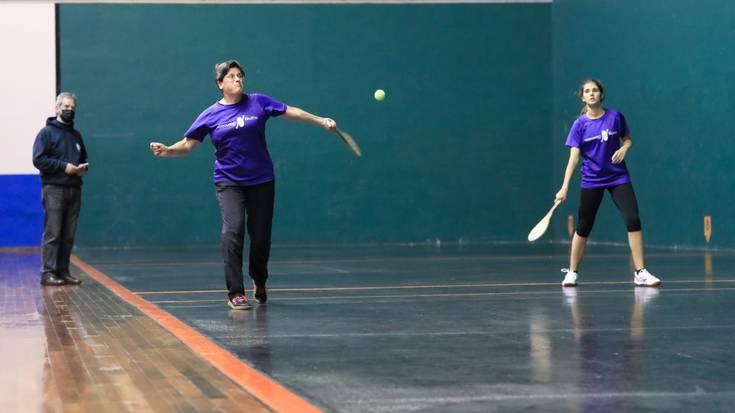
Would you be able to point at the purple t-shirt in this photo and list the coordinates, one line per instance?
(238, 135)
(597, 140)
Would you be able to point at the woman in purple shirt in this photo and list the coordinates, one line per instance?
(600, 136)
(243, 173)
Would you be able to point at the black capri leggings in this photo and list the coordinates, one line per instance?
(624, 198)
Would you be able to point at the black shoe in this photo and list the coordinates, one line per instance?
(50, 280)
(69, 280)
(260, 294)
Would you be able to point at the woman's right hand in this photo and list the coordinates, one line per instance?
(561, 196)
(158, 149)
(328, 124)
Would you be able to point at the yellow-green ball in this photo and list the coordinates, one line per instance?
(379, 95)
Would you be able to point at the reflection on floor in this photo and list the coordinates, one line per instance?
(81, 349)
(383, 329)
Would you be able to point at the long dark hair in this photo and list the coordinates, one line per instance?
(581, 91)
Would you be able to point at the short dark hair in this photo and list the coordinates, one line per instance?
(221, 69)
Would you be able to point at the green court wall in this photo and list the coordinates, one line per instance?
(459, 151)
(669, 67)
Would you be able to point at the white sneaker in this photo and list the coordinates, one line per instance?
(644, 278)
(570, 280)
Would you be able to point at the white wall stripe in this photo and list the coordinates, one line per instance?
(27, 80)
(293, 1)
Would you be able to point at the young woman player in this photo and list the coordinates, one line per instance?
(601, 138)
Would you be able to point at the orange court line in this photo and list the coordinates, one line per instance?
(271, 393)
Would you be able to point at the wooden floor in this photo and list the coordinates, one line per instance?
(462, 328)
(82, 349)
(385, 329)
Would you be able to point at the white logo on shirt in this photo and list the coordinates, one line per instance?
(79, 148)
(238, 123)
(604, 135)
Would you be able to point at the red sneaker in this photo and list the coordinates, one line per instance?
(239, 302)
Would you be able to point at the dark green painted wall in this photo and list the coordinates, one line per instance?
(669, 66)
(458, 150)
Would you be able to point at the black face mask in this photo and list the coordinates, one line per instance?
(67, 115)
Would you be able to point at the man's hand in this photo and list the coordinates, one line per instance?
(71, 169)
(82, 169)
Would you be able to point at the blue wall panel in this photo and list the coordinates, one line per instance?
(21, 211)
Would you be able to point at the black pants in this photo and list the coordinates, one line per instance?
(235, 202)
(61, 205)
(624, 198)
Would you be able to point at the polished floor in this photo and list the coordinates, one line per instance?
(478, 328)
(81, 349)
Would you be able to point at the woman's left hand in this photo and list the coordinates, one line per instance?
(619, 155)
(329, 124)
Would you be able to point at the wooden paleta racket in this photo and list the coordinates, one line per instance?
(542, 225)
(350, 142)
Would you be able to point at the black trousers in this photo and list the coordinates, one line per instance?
(624, 198)
(235, 203)
(61, 205)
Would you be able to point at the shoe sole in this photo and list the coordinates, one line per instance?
(569, 285)
(235, 307)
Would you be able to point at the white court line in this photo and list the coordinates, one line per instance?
(556, 396)
(484, 332)
(424, 286)
(488, 294)
(318, 261)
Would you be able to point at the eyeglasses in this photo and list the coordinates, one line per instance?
(233, 76)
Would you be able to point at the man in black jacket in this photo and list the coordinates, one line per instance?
(59, 154)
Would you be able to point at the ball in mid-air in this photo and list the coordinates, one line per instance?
(379, 95)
